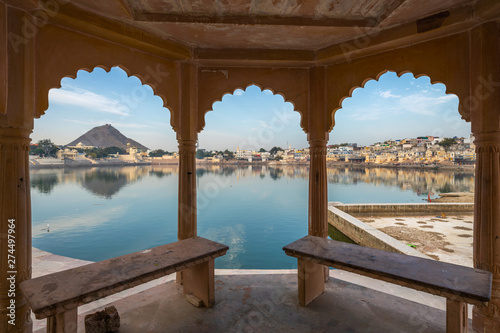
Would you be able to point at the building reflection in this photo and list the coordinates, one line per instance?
(108, 181)
(100, 181)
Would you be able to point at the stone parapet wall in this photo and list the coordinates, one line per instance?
(365, 235)
(405, 209)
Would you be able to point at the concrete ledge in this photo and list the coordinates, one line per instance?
(365, 235)
(405, 209)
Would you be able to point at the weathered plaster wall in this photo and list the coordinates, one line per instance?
(484, 99)
(16, 76)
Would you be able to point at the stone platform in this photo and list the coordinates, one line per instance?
(266, 301)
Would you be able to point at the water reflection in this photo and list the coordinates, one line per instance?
(100, 213)
(106, 182)
(420, 181)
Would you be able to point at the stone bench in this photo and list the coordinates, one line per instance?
(57, 296)
(460, 285)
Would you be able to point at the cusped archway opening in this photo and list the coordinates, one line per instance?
(104, 189)
(401, 140)
(254, 200)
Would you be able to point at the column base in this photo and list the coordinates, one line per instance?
(484, 323)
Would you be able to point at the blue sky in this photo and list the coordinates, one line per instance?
(389, 108)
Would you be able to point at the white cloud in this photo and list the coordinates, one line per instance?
(389, 94)
(263, 124)
(87, 99)
(425, 105)
(238, 92)
(87, 221)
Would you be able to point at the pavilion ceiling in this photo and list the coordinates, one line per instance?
(317, 27)
(265, 24)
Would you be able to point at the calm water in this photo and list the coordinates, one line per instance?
(100, 213)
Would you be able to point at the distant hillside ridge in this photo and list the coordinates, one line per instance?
(106, 136)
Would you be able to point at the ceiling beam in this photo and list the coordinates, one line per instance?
(254, 20)
(390, 11)
(253, 57)
(458, 19)
(72, 17)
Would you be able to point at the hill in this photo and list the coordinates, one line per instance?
(106, 136)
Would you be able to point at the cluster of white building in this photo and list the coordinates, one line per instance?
(420, 150)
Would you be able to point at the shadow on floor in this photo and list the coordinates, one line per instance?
(268, 303)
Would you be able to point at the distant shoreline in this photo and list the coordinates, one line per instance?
(268, 163)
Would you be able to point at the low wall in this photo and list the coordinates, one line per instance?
(405, 209)
(365, 235)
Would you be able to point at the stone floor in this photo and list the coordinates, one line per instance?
(266, 301)
(447, 237)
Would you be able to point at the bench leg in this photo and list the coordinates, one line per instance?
(311, 281)
(199, 281)
(65, 322)
(456, 316)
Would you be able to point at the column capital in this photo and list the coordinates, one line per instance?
(317, 143)
(187, 145)
(487, 138)
(15, 136)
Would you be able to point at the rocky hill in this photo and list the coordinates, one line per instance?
(106, 136)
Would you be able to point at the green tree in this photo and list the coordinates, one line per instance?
(228, 154)
(262, 150)
(48, 147)
(114, 150)
(274, 150)
(157, 153)
(447, 143)
(34, 150)
(200, 154)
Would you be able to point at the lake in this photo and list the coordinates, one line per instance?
(103, 212)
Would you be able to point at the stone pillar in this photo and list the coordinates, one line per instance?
(187, 136)
(318, 193)
(487, 225)
(312, 276)
(484, 106)
(187, 227)
(15, 228)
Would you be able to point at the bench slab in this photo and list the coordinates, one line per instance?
(439, 278)
(65, 290)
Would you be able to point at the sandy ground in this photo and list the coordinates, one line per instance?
(444, 237)
(455, 198)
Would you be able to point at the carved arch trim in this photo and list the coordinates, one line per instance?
(214, 84)
(377, 78)
(62, 53)
(437, 59)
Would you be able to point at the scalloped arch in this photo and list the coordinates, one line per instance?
(204, 112)
(376, 78)
(142, 78)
